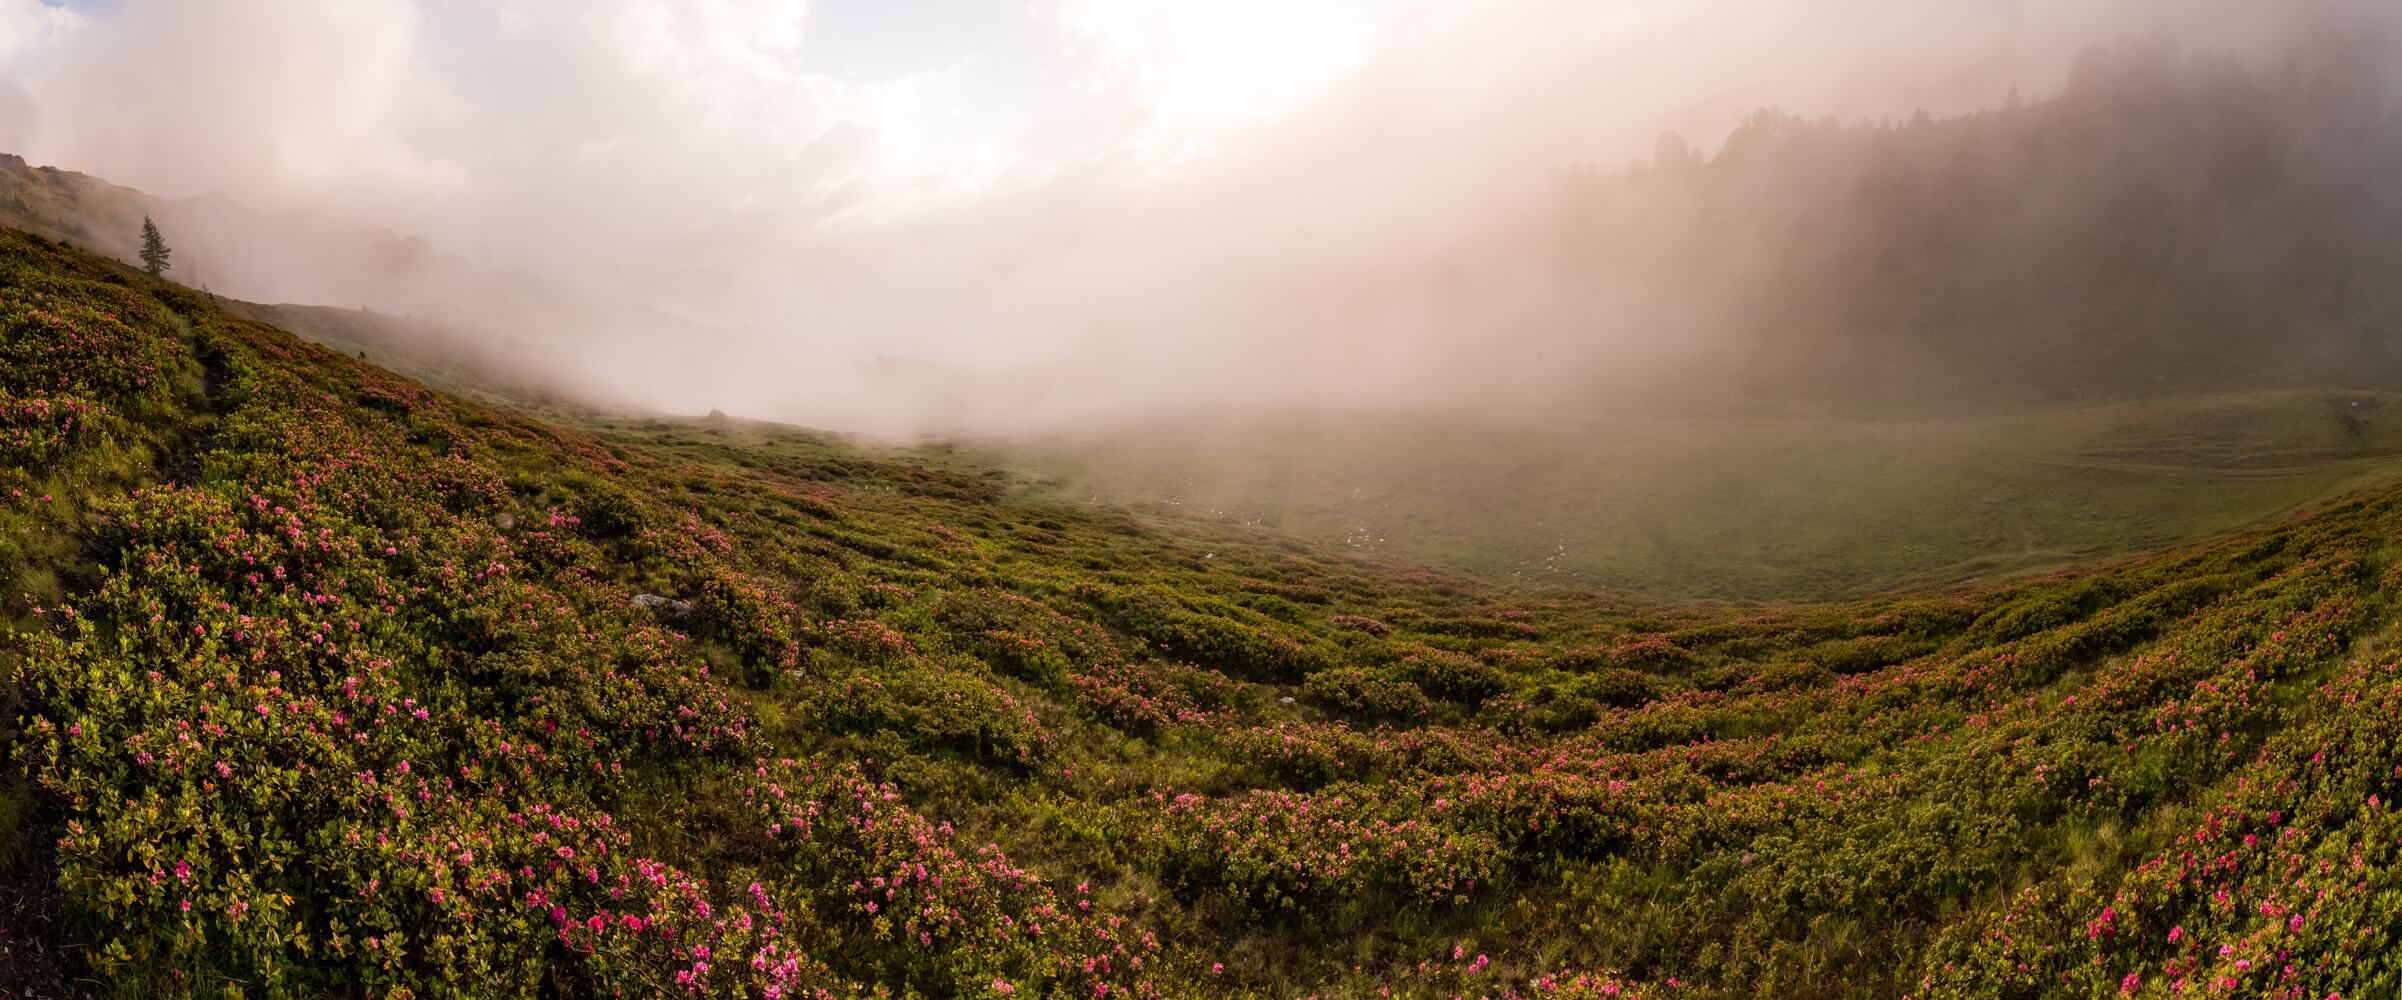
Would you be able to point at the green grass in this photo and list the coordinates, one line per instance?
(1739, 508)
(345, 687)
(461, 362)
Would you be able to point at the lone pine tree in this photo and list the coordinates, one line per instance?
(154, 249)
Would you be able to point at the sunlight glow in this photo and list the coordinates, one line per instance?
(1200, 67)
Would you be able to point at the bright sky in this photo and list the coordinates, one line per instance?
(963, 89)
(1047, 80)
(496, 127)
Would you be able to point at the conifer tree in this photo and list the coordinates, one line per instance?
(154, 249)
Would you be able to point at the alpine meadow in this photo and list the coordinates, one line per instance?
(1098, 499)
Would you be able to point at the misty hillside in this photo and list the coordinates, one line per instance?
(2170, 222)
(1832, 359)
(326, 683)
(429, 351)
(310, 257)
(59, 204)
(91, 213)
(488, 332)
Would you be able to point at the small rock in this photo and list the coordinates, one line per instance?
(667, 608)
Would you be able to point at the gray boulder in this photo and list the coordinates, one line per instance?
(669, 610)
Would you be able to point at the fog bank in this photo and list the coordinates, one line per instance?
(1117, 207)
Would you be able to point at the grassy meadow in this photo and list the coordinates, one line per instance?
(1739, 509)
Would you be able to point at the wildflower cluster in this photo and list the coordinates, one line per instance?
(325, 683)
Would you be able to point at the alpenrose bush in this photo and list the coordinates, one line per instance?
(332, 685)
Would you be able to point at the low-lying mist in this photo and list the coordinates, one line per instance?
(1508, 208)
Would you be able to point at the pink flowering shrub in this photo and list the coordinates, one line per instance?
(322, 683)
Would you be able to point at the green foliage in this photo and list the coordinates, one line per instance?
(154, 249)
(1366, 694)
(323, 683)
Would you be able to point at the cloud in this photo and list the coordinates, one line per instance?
(1186, 72)
(225, 96)
(530, 128)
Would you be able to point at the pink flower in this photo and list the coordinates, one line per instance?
(2127, 986)
(2174, 933)
(1003, 988)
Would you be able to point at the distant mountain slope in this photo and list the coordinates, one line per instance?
(434, 316)
(65, 205)
(433, 352)
(231, 249)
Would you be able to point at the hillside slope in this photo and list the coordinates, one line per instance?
(473, 328)
(326, 684)
(2169, 223)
